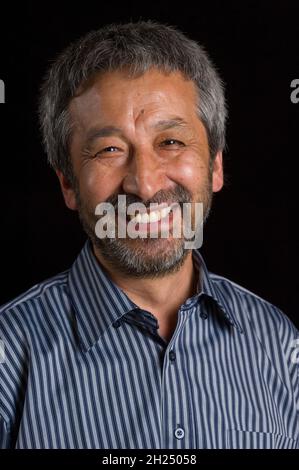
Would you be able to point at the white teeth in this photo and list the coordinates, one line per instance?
(153, 216)
(165, 211)
(144, 218)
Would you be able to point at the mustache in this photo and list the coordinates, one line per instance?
(177, 195)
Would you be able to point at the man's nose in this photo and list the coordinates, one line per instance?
(145, 175)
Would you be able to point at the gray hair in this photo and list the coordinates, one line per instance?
(137, 47)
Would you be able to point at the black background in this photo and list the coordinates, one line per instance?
(249, 237)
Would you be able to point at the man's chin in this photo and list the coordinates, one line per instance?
(145, 246)
(145, 257)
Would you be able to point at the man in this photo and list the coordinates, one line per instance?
(138, 345)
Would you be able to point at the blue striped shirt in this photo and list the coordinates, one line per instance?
(84, 367)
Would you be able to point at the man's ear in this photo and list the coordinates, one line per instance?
(67, 191)
(217, 172)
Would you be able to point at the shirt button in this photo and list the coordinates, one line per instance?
(172, 356)
(116, 324)
(179, 433)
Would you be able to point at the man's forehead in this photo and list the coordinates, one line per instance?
(152, 99)
(151, 81)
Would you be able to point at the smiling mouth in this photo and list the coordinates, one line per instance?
(160, 220)
(150, 216)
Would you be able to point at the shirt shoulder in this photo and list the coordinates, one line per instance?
(251, 310)
(29, 324)
(276, 334)
(23, 303)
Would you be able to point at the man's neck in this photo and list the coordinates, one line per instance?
(161, 296)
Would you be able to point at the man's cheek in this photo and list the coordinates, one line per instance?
(189, 171)
(94, 187)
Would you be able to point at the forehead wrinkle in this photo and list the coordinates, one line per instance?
(162, 124)
(170, 123)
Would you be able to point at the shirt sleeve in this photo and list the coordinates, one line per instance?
(4, 435)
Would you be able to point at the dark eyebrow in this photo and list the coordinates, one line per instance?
(170, 123)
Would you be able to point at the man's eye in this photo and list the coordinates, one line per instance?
(171, 143)
(110, 149)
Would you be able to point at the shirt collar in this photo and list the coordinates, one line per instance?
(98, 302)
(208, 288)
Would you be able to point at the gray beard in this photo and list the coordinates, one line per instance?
(146, 258)
(136, 262)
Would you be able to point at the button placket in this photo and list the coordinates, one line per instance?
(172, 430)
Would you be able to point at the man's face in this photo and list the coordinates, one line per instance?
(140, 137)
